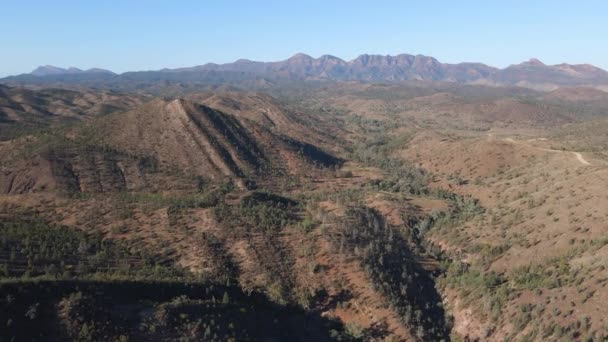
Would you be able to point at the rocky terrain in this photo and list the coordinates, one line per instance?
(311, 206)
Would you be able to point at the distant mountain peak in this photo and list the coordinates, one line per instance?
(533, 62)
(99, 70)
(48, 70)
(44, 70)
(329, 57)
(300, 57)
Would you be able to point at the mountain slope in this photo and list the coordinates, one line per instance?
(124, 150)
(187, 135)
(29, 106)
(269, 113)
(535, 73)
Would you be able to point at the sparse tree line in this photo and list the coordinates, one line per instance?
(148, 310)
(32, 248)
(259, 219)
(387, 259)
(259, 212)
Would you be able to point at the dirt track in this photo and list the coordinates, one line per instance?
(578, 155)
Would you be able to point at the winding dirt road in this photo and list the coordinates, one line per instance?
(578, 155)
(581, 159)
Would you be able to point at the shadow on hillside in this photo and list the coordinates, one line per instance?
(107, 310)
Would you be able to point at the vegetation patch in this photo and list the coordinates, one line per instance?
(260, 211)
(30, 248)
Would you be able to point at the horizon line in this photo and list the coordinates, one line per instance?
(530, 60)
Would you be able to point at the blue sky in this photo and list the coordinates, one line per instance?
(152, 34)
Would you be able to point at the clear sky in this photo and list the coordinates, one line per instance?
(152, 34)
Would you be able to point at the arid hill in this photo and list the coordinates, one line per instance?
(29, 108)
(542, 234)
(170, 135)
(271, 114)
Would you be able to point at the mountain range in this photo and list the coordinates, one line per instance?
(47, 70)
(367, 68)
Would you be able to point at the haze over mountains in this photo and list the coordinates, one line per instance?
(369, 68)
(47, 70)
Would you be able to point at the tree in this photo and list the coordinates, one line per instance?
(420, 332)
(207, 333)
(32, 312)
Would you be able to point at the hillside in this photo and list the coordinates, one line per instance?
(113, 152)
(23, 108)
(442, 106)
(270, 113)
(530, 264)
(344, 211)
